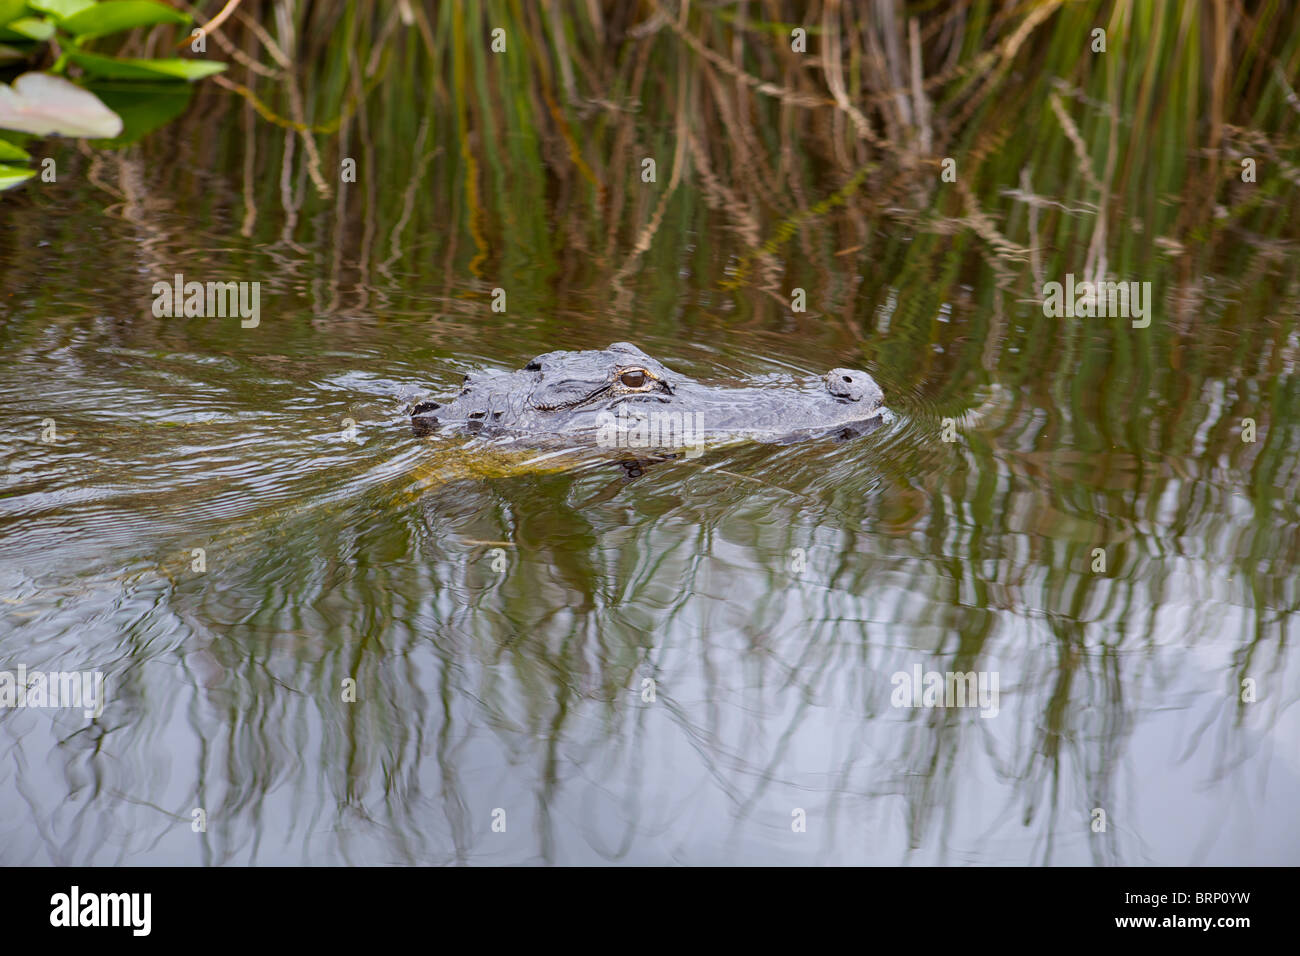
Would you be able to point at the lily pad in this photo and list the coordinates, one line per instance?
(116, 69)
(117, 15)
(42, 103)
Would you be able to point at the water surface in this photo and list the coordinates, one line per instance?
(237, 526)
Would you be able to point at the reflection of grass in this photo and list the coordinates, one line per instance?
(803, 170)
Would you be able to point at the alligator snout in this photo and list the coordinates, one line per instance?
(854, 386)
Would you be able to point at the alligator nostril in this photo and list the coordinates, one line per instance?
(476, 414)
(848, 379)
(533, 367)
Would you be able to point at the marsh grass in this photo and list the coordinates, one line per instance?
(526, 166)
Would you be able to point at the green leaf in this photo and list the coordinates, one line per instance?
(11, 176)
(143, 69)
(27, 28)
(116, 15)
(11, 10)
(61, 9)
(143, 106)
(9, 152)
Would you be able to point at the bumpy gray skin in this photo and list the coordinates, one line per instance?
(566, 397)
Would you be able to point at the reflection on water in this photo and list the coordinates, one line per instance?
(342, 642)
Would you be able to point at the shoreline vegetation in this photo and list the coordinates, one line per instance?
(1098, 511)
(813, 140)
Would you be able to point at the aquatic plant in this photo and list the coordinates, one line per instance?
(116, 99)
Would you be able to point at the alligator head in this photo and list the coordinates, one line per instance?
(622, 397)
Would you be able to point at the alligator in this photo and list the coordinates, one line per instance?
(622, 398)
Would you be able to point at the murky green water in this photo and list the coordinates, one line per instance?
(236, 526)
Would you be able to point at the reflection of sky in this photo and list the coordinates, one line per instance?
(772, 692)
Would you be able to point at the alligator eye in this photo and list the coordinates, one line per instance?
(633, 378)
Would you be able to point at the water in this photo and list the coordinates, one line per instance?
(342, 643)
